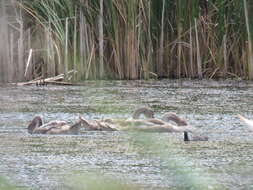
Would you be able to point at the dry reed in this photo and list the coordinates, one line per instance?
(126, 39)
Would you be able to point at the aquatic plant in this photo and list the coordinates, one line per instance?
(95, 181)
(4, 184)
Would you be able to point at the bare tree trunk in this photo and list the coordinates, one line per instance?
(21, 50)
(250, 50)
(75, 48)
(50, 52)
(161, 49)
(101, 41)
(191, 53)
(3, 40)
(66, 48)
(198, 53)
(12, 73)
(225, 56)
(82, 44)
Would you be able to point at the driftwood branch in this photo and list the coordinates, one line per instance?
(59, 80)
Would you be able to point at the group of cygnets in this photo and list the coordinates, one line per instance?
(147, 124)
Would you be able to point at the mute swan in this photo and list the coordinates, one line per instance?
(181, 122)
(54, 127)
(147, 112)
(248, 122)
(151, 124)
(95, 125)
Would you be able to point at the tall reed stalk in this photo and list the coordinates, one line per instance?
(3, 34)
(250, 50)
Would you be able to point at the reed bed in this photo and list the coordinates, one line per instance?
(128, 39)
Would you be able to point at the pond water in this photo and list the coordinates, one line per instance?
(149, 161)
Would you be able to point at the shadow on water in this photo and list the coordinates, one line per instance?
(149, 161)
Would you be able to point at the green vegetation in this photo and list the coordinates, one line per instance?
(133, 39)
(6, 185)
(96, 182)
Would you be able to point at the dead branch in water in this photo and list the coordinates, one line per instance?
(57, 80)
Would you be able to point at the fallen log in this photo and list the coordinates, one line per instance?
(64, 83)
(58, 80)
(42, 81)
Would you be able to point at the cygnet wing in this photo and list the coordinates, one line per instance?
(247, 121)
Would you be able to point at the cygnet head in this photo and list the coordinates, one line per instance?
(36, 122)
(147, 112)
(83, 121)
(170, 116)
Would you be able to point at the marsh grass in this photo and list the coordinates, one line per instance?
(129, 39)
